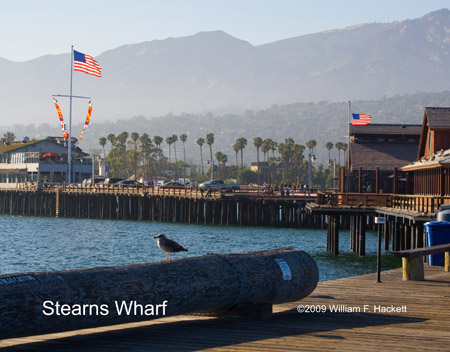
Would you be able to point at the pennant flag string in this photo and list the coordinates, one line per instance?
(86, 123)
(61, 120)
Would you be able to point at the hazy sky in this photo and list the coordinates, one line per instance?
(32, 28)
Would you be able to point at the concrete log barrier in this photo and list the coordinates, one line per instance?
(46, 302)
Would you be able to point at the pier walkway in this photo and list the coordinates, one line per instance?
(422, 322)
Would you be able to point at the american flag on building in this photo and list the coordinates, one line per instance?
(361, 119)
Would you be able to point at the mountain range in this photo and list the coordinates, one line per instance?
(213, 71)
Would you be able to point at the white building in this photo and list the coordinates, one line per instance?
(43, 160)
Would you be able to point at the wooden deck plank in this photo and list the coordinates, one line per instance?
(425, 325)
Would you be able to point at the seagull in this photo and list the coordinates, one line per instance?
(169, 246)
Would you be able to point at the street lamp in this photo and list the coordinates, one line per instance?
(311, 160)
(93, 168)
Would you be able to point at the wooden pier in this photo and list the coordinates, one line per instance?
(421, 322)
(192, 206)
(404, 227)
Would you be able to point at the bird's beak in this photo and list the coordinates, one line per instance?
(155, 237)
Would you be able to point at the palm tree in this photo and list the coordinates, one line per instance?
(339, 147)
(121, 139)
(8, 137)
(273, 147)
(102, 141)
(146, 145)
(297, 158)
(158, 140)
(329, 146)
(174, 140)
(135, 138)
(286, 151)
(242, 144)
(200, 142)
(210, 142)
(112, 138)
(221, 159)
(183, 139)
(311, 144)
(236, 148)
(265, 148)
(257, 142)
(169, 141)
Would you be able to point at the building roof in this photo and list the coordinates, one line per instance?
(440, 158)
(433, 119)
(18, 144)
(385, 156)
(386, 129)
(438, 118)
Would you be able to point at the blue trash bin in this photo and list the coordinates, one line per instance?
(437, 232)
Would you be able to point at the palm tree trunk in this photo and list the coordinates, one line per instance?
(211, 160)
(264, 162)
(175, 150)
(201, 159)
(257, 163)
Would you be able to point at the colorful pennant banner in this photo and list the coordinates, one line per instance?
(86, 123)
(61, 119)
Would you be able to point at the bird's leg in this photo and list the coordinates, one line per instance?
(167, 257)
(170, 256)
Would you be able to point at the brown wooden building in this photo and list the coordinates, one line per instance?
(377, 152)
(431, 171)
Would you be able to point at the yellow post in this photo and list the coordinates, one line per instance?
(406, 268)
(57, 204)
(447, 261)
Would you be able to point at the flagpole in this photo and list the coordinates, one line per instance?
(348, 155)
(69, 153)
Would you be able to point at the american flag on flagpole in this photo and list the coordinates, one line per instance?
(361, 119)
(86, 63)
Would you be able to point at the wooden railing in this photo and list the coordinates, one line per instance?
(415, 203)
(420, 204)
(189, 192)
(356, 199)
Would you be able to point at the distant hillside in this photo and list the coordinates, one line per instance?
(213, 71)
(324, 121)
(369, 61)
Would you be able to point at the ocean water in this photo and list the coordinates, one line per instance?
(47, 244)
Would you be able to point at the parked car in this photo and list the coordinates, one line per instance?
(97, 179)
(174, 184)
(126, 183)
(219, 184)
(112, 180)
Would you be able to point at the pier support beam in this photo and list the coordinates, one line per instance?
(362, 235)
(333, 234)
